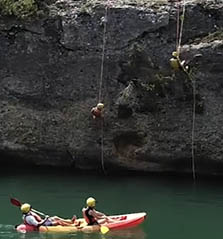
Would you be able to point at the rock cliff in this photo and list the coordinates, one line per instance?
(53, 69)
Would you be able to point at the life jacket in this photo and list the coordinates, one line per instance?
(175, 64)
(96, 112)
(89, 218)
(37, 217)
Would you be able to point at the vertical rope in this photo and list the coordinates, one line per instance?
(178, 46)
(193, 128)
(103, 53)
(193, 82)
(181, 26)
(192, 79)
(178, 26)
(101, 81)
(102, 146)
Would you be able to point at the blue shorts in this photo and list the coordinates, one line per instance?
(47, 223)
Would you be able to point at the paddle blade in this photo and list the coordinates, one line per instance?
(15, 202)
(104, 229)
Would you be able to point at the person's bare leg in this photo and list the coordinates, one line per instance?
(65, 222)
(62, 220)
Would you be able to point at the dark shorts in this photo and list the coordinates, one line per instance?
(93, 223)
(48, 223)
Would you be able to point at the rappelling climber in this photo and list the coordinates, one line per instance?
(177, 64)
(97, 112)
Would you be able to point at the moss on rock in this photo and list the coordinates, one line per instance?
(218, 35)
(20, 8)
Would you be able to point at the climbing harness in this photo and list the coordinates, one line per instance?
(176, 65)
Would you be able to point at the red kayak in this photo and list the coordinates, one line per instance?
(121, 222)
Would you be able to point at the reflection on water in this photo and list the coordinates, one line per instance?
(131, 233)
(8, 231)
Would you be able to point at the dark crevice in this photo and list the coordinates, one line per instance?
(14, 30)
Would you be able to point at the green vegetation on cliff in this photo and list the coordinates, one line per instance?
(218, 35)
(19, 8)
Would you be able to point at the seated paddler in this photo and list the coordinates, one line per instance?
(33, 219)
(93, 217)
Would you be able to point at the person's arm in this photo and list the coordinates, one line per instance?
(92, 110)
(45, 219)
(98, 214)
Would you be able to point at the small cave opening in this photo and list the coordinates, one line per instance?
(126, 142)
(124, 112)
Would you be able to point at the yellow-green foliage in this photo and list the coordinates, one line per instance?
(18, 8)
(218, 35)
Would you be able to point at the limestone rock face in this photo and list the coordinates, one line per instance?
(53, 71)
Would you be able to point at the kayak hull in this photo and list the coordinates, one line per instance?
(121, 222)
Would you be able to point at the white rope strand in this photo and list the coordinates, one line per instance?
(181, 26)
(193, 128)
(103, 53)
(102, 146)
(104, 21)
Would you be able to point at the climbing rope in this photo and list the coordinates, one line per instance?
(193, 82)
(182, 17)
(180, 25)
(104, 22)
(193, 127)
(179, 34)
(102, 146)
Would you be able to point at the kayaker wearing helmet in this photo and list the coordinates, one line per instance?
(33, 219)
(97, 112)
(92, 216)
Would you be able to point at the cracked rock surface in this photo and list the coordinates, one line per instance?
(50, 69)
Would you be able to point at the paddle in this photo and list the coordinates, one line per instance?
(17, 203)
(104, 229)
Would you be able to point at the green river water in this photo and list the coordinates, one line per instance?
(176, 207)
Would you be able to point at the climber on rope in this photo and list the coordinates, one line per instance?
(177, 64)
(97, 111)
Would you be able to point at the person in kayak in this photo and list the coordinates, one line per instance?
(93, 217)
(33, 219)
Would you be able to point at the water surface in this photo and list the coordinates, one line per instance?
(176, 207)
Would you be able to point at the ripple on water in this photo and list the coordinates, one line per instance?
(6, 228)
(7, 231)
